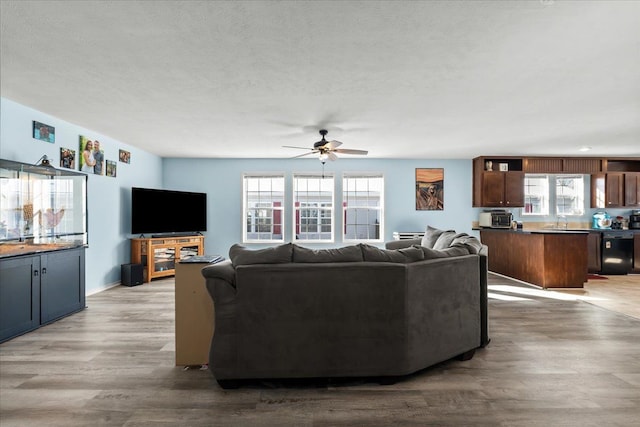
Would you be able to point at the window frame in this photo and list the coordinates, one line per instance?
(346, 208)
(552, 196)
(274, 208)
(297, 209)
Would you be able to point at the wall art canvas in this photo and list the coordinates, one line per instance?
(67, 158)
(125, 156)
(430, 189)
(44, 132)
(92, 158)
(111, 168)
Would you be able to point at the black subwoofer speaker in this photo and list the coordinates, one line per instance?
(131, 274)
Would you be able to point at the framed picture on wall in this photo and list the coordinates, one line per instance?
(44, 132)
(430, 189)
(111, 168)
(67, 158)
(124, 156)
(92, 156)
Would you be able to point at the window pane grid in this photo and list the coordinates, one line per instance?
(565, 197)
(536, 195)
(313, 208)
(263, 208)
(362, 205)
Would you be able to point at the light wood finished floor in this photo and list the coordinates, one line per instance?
(551, 362)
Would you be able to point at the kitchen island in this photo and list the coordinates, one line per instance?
(546, 258)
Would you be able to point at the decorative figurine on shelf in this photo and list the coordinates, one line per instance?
(27, 216)
(51, 219)
(488, 165)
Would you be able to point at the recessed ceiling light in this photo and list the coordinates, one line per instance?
(585, 148)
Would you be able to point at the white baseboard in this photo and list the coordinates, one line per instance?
(104, 288)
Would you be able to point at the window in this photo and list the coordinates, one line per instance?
(536, 195)
(362, 202)
(263, 197)
(313, 208)
(564, 198)
(569, 195)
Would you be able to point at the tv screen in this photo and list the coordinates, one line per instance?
(166, 211)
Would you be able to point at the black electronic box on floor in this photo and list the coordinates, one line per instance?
(131, 274)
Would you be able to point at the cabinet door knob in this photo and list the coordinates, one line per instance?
(44, 270)
(35, 273)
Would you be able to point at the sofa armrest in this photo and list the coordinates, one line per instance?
(223, 270)
(399, 244)
(484, 298)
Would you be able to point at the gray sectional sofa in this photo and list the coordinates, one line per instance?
(357, 311)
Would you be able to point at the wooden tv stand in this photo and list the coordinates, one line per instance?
(159, 255)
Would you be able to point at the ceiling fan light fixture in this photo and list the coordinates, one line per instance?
(323, 157)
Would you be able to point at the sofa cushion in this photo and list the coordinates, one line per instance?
(404, 255)
(431, 235)
(453, 251)
(241, 255)
(344, 254)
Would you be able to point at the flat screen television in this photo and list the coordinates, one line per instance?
(167, 211)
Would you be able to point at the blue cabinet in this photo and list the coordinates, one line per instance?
(38, 289)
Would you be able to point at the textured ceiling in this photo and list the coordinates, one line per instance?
(400, 79)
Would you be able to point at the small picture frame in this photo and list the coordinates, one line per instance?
(124, 156)
(44, 132)
(67, 158)
(111, 168)
(504, 167)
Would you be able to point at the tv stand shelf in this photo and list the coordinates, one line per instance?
(158, 255)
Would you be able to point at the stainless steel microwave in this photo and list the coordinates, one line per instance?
(495, 219)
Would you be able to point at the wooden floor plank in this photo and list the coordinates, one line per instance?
(569, 362)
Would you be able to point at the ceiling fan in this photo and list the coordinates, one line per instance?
(327, 149)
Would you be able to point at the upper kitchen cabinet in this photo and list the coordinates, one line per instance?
(619, 186)
(632, 189)
(498, 182)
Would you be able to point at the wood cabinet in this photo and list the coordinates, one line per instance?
(194, 315)
(546, 259)
(636, 253)
(39, 289)
(502, 189)
(543, 165)
(594, 251)
(579, 165)
(615, 190)
(158, 256)
(495, 187)
(632, 189)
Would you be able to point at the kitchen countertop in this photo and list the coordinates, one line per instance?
(556, 230)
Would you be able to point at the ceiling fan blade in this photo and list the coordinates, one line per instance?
(349, 151)
(331, 155)
(332, 144)
(300, 148)
(302, 155)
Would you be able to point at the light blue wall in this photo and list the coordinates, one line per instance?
(221, 179)
(109, 199)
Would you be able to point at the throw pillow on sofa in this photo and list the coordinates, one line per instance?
(431, 235)
(241, 255)
(472, 244)
(345, 254)
(445, 239)
(404, 255)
